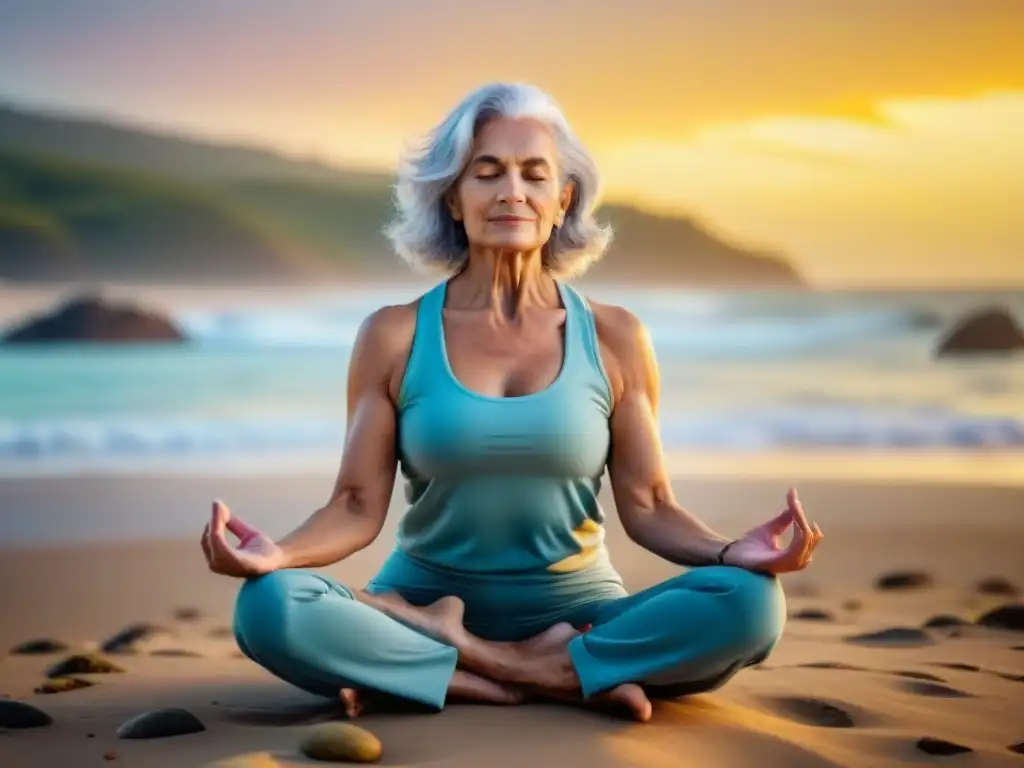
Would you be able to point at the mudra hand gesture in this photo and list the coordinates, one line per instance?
(254, 555)
(759, 548)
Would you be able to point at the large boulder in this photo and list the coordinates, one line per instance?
(986, 330)
(91, 318)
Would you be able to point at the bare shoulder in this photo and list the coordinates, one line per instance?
(383, 343)
(626, 347)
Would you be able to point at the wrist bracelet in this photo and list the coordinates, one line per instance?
(723, 550)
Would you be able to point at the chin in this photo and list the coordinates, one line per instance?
(513, 243)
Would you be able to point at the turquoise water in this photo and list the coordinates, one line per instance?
(741, 372)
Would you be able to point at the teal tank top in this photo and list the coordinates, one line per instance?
(504, 484)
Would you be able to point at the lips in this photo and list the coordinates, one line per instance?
(511, 219)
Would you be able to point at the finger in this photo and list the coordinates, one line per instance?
(778, 524)
(240, 528)
(218, 541)
(219, 516)
(205, 542)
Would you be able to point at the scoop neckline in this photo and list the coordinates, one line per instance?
(449, 371)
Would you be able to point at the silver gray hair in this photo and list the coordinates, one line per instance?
(424, 233)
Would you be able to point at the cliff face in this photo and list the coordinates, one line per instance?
(89, 200)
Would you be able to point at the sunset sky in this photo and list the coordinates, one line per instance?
(872, 142)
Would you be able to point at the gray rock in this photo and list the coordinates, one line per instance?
(38, 647)
(159, 724)
(126, 640)
(18, 714)
(1009, 616)
(903, 580)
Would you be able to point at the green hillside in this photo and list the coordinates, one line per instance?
(80, 199)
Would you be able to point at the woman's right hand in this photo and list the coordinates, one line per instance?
(255, 555)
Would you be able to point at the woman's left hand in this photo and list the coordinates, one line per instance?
(759, 549)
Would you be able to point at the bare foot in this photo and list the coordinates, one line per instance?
(629, 697)
(441, 620)
(463, 686)
(351, 702)
(467, 686)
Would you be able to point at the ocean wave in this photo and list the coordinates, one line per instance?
(766, 429)
(688, 327)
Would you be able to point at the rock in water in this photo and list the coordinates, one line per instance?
(38, 647)
(83, 664)
(1009, 616)
(160, 724)
(18, 714)
(989, 329)
(93, 319)
(341, 743)
(62, 684)
(903, 580)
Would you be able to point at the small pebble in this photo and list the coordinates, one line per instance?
(62, 684)
(108, 756)
(944, 620)
(18, 714)
(340, 743)
(1018, 748)
(187, 613)
(1009, 616)
(934, 746)
(83, 664)
(38, 647)
(893, 636)
(813, 614)
(180, 653)
(126, 640)
(997, 585)
(903, 580)
(160, 724)
(853, 605)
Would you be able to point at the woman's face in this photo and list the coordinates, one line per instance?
(509, 196)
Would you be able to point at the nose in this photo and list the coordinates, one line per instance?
(511, 190)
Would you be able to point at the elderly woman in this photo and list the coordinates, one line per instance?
(504, 395)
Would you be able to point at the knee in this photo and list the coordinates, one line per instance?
(761, 610)
(263, 604)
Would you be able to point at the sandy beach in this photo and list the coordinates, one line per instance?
(826, 697)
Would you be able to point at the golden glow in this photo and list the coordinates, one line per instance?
(872, 142)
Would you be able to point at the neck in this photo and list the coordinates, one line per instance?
(506, 282)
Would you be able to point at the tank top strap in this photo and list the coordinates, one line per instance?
(581, 333)
(426, 357)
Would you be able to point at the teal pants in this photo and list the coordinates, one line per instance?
(688, 635)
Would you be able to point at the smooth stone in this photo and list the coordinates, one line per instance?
(159, 724)
(341, 743)
(853, 605)
(187, 613)
(997, 585)
(1009, 616)
(82, 664)
(893, 636)
(38, 647)
(1017, 748)
(125, 640)
(18, 714)
(944, 620)
(933, 746)
(903, 580)
(62, 684)
(813, 614)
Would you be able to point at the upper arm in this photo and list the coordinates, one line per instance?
(369, 462)
(636, 464)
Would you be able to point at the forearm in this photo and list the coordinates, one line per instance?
(332, 533)
(668, 530)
